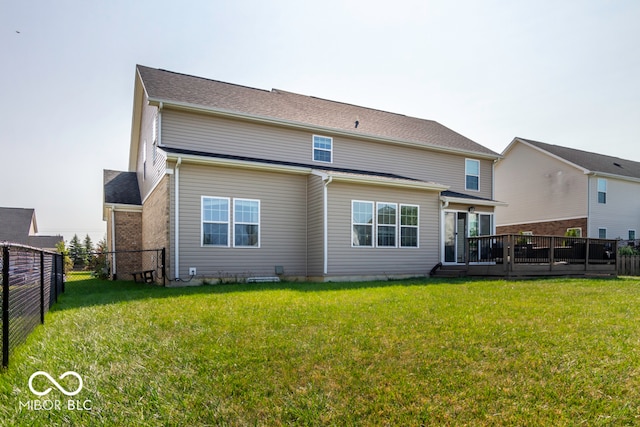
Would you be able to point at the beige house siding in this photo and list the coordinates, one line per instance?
(283, 222)
(212, 134)
(345, 260)
(538, 188)
(149, 175)
(620, 214)
(315, 228)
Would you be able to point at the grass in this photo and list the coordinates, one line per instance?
(545, 352)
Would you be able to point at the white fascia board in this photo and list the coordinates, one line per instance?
(119, 207)
(476, 202)
(614, 176)
(316, 129)
(244, 164)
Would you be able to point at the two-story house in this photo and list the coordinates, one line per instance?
(552, 189)
(241, 182)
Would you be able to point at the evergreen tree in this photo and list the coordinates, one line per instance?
(77, 252)
(88, 251)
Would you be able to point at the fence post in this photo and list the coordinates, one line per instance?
(164, 271)
(5, 306)
(41, 286)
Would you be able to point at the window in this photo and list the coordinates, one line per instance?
(387, 224)
(632, 235)
(408, 226)
(602, 190)
(246, 221)
(362, 223)
(472, 174)
(574, 232)
(322, 148)
(602, 233)
(215, 221)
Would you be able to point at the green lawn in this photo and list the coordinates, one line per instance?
(430, 352)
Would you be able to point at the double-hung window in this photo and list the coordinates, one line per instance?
(362, 223)
(215, 221)
(246, 220)
(472, 174)
(322, 149)
(408, 226)
(602, 190)
(387, 213)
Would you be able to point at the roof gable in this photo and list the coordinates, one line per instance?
(16, 224)
(591, 162)
(287, 107)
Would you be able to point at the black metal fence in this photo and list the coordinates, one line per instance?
(31, 281)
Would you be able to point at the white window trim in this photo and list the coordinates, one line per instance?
(469, 174)
(313, 148)
(395, 225)
(605, 232)
(373, 224)
(417, 227)
(576, 228)
(202, 222)
(259, 224)
(606, 185)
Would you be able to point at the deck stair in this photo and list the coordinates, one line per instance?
(451, 271)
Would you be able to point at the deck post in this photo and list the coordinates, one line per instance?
(586, 255)
(552, 252)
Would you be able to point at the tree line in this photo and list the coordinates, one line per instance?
(82, 254)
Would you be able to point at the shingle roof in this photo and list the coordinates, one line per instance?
(167, 86)
(591, 161)
(15, 224)
(121, 188)
(15, 227)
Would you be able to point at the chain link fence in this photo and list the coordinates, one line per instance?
(31, 281)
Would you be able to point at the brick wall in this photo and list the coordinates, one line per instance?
(155, 219)
(128, 237)
(549, 228)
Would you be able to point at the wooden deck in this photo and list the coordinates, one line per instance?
(530, 256)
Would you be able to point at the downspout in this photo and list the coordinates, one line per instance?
(160, 125)
(325, 224)
(177, 219)
(113, 241)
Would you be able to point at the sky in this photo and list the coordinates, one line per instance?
(565, 73)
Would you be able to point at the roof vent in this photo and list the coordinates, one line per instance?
(357, 123)
(617, 164)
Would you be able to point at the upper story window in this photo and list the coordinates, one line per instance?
(322, 149)
(472, 174)
(602, 233)
(632, 234)
(602, 190)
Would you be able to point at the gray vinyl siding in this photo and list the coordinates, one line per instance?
(155, 159)
(315, 229)
(347, 260)
(212, 134)
(283, 218)
(620, 214)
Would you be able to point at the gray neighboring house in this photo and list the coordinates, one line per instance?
(552, 189)
(240, 182)
(19, 225)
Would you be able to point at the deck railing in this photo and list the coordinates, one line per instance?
(511, 252)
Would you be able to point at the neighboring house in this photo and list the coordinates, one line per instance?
(238, 182)
(19, 225)
(552, 189)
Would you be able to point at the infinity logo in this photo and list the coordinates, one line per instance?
(55, 383)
